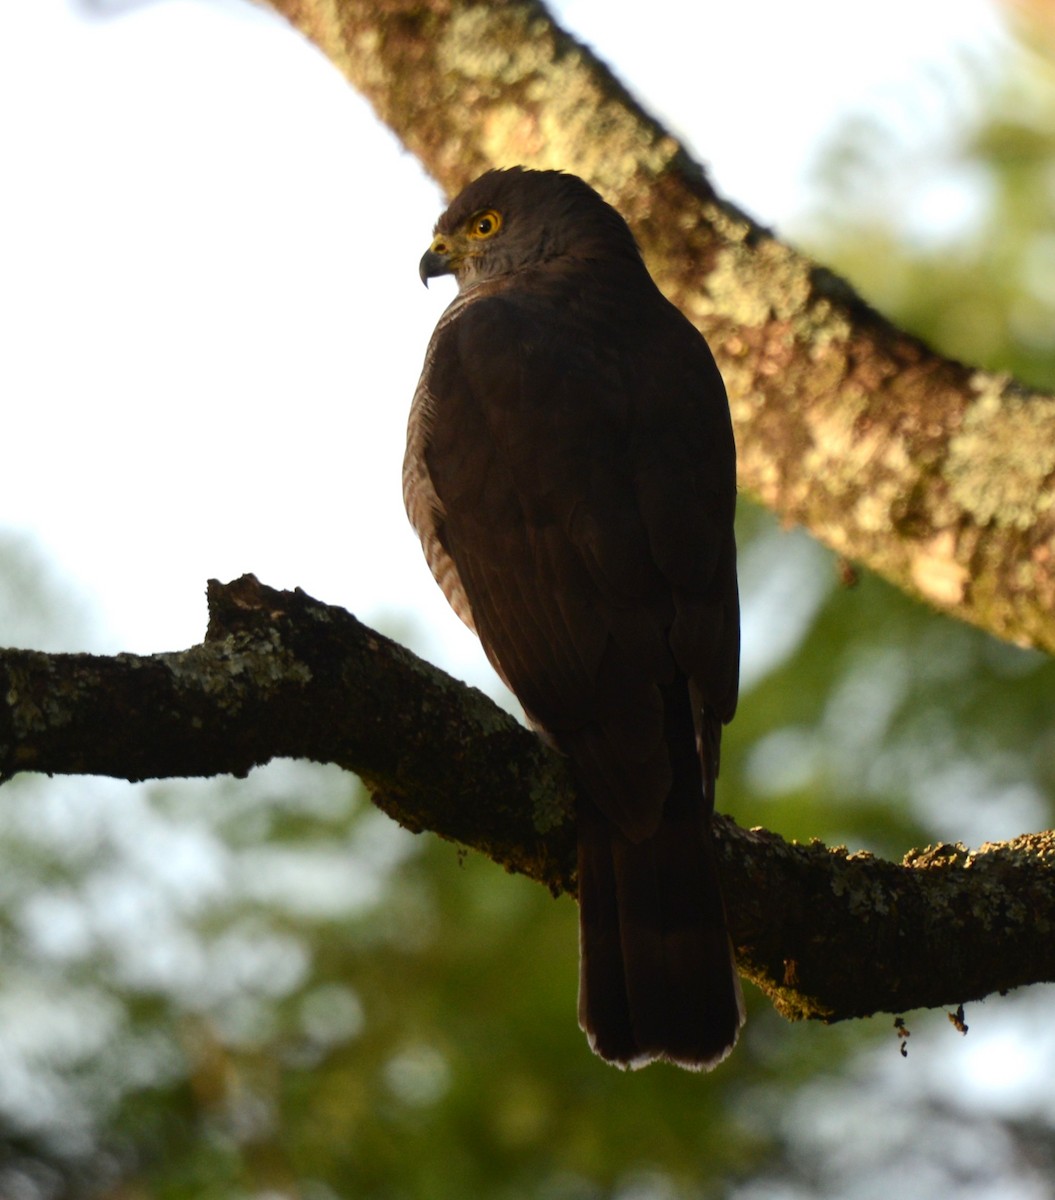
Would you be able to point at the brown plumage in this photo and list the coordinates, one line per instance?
(570, 470)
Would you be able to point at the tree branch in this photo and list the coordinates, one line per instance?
(938, 476)
(824, 933)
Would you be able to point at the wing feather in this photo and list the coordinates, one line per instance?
(576, 505)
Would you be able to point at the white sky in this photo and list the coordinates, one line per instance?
(211, 318)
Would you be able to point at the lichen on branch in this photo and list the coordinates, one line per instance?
(825, 933)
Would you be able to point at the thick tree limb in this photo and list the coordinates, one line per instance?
(825, 934)
(936, 475)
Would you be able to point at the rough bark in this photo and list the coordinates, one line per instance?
(936, 475)
(824, 933)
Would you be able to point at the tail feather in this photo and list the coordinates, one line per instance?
(604, 1005)
(657, 978)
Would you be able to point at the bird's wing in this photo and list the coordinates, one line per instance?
(581, 504)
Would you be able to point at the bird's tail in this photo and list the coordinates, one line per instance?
(656, 974)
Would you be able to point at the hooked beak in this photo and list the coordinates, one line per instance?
(438, 259)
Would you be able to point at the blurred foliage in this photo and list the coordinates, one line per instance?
(942, 210)
(263, 988)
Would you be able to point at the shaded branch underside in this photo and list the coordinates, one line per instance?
(826, 934)
(936, 475)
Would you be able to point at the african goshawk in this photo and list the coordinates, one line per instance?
(571, 472)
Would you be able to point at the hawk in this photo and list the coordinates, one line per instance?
(571, 472)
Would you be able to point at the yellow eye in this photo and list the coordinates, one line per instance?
(485, 224)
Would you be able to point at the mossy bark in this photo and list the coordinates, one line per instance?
(826, 934)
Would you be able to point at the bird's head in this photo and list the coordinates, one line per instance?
(511, 219)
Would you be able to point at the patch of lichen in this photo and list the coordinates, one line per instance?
(1001, 464)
